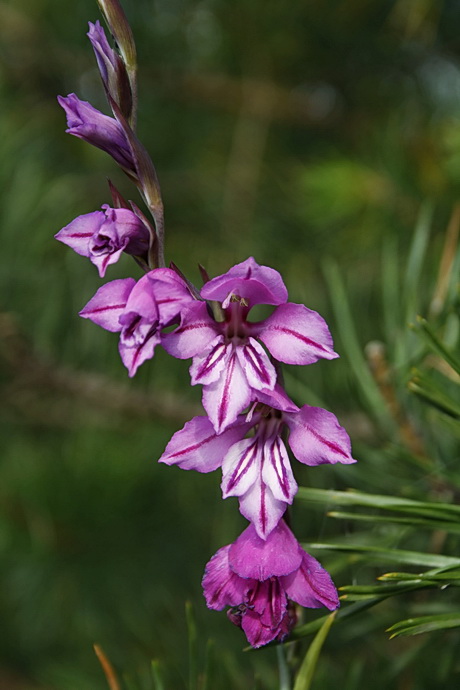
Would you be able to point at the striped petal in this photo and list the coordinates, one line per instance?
(225, 398)
(276, 470)
(259, 371)
(197, 446)
(260, 507)
(108, 304)
(317, 438)
(240, 467)
(296, 335)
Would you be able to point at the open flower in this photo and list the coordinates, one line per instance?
(258, 578)
(139, 311)
(102, 236)
(228, 359)
(257, 469)
(102, 131)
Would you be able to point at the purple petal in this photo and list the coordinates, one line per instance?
(277, 398)
(209, 367)
(260, 372)
(260, 507)
(253, 557)
(197, 446)
(142, 300)
(255, 284)
(105, 55)
(277, 472)
(240, 467)
(264, 619)
(171, 293)
(89, 124)
(311, 585)
(134, 355)
(109, 303)
(78, 233)
(224, 399)
(296, 335)
(317, 438)
(221, 587)
(194, 335)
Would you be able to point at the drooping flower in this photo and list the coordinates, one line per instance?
(228, 359)
(139, 311)
(102, 236)
(260, 578)
(102, 131)
(257, 469)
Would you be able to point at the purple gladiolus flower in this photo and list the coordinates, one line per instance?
(257, 469)
(139, 311)
(103, 235)
(258, 579)
(228, 358)
(102, 131)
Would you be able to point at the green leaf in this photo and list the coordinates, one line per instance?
(353, 348)
(156, 675)
(192, 646)
(392, 555)
(411, 286)
(424, 624)
(342, 613)
(422, 385)
(441, 511)
(433, 342)
(394, 519)
(307, 670)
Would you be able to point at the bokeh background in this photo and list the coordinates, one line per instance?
(312, 135)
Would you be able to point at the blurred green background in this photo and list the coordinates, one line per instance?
(312, 135)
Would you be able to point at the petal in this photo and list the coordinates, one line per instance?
(78, 233)
(109, 303)
(259, 371)
(253, 557)
(198, 447)
(224, 399)
(142, 301)
(260, 507)
(171, 293)
(317, 438)
(296, 335)
(240, 467)
(101, 261)
(277, 472)
(135, 355)
(221, 587)
(208, 368)
(277, 398)
(256, 284)
(311, 585)
(194, 335)
(263, 622)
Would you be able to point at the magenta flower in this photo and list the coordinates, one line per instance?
(103, 235)
(257, 469)
(228, 359)
(258, 579)
(139, 311)
(102, 131)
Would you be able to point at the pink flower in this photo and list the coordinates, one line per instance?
(102, 236)
(139, 311)
(258, 578)
(228, 358)
(257, 469)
